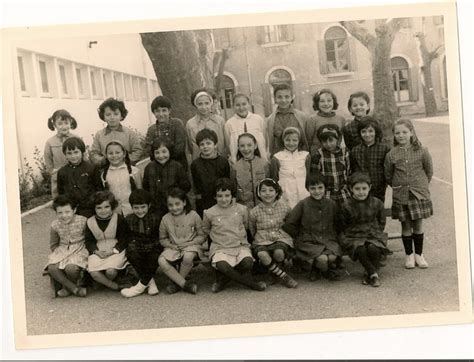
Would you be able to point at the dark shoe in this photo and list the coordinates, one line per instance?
(314, 274)
(84, 279)
(374, 280)
(331, 275)
(218, 286)
(289, 282)
(190, 288)
(260, 286)
(80, 292)
(172, 288)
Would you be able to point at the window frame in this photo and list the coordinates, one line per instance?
(396, 82)
(329, 64)
(277, 39)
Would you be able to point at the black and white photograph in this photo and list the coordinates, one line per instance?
(236, 173)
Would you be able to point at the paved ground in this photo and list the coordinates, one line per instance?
(402, 291)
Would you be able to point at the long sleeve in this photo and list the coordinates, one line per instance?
(48, 158)
(253, 223)
(191, 141)
(307, 164)
(275, 169)
(61, 183)
(206, 224)
(135, 147)
(200, 237)
(388, 169)
(137, 176)
(293, 221)
(165, 240)
(53, 239)
(227, 135)
(123, 234)
(183, 180)
(427, 164)
(149, 139)
(348, 162)
(315, 165)
(180, 138)
(196, 180)
(355, 167)
(381, 215)
(146, 178)
(90, 241)
(225, 168)
(246, 218)
(96, 154)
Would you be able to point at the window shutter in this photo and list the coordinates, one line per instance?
(352, 54)
(260, 30)
(291, 32)
(413, 83)
(323, 64)
(267, 99)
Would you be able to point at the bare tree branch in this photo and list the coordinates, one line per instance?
(360, 33)
(395, 24)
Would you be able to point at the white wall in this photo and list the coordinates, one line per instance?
(119, 53)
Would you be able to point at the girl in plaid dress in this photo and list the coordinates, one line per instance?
(408, 169)
(332, 160)
(369, 156)
(271, 244)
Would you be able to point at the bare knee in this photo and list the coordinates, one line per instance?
(188, 258)
(95, 275)
(332, 258)
(111, 274)
(264, 257)
(322, 262)
(279, 255)
(53, 268)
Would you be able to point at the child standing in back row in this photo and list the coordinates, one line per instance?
(54, 158)
(408, 169)
(244, 121)
(325, 103)
(359, 106)
(285, 116)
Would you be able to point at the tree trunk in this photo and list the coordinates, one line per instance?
(427, 82)
(379, 46)
(182, 61)
(385, 106)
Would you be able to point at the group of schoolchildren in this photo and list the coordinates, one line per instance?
(290, 190)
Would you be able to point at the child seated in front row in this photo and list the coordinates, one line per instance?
(226, 223)
(363, 222)
(313, 224)
(144, 247)
(182, 237)
(271, 244)
(206, 169)
(332, 160)
(107, 235)
(68, 252)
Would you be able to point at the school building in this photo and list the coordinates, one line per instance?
(325, 55)
(78, 74)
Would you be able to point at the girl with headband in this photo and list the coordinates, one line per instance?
(202, 100)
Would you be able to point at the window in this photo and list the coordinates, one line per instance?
(82, 78)
(118, 84)
(402, 82)
(221, 38)
(96, 83)
(62, 76)
(108, 84)
(274, 34)
(226, 94)
(279, 76)
(44, 76)
(21, 71)
(136, 88)
(143, 90)
(80, 83)
(336, 50)
(128, 87)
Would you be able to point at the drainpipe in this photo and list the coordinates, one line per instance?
(249, 76)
